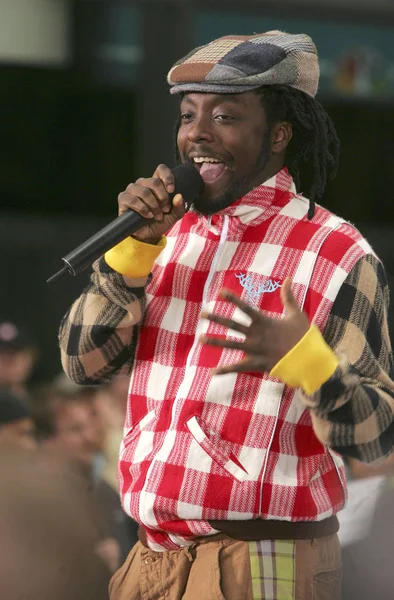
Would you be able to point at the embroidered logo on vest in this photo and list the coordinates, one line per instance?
(255, 290)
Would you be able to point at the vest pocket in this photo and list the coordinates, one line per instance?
(220, 457)
(141, 448)
(339, 467)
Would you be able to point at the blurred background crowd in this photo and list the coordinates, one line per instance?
(85, 110)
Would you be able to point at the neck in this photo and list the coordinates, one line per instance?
(272, 168)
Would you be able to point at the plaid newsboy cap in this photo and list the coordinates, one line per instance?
(241, 63)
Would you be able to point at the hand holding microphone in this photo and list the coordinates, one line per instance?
(157, 201)
(149, 207)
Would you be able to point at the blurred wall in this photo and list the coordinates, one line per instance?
(35, 32)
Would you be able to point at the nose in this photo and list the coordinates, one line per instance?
(200, 130)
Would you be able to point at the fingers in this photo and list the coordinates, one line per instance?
(234, 368)
(243, 366)
(130, 200)
(246, 308)
(220, 342)
(178, 207)
(167, 177)
(150, 197)
(286, 295)
(229, 323)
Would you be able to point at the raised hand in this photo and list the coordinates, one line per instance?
(267, 340)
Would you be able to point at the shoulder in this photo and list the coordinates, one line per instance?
(342, 242)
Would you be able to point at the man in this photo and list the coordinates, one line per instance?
(16, 422)
(48, 532)
(67, 423)
(111, 402)
(18, 357)
(71, 431)
(258, 345)
(366, 533)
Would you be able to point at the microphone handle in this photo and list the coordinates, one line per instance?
(188, 182)
(117, 230)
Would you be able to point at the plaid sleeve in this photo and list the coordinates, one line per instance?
(353, 411)
(98, 334)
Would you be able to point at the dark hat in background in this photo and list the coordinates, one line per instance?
(238, 63)
(14, 337)
(12, 407)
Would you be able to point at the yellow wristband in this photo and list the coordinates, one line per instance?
(309, 364)
(133, 258)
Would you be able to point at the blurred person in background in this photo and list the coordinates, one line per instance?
(364, 483)
(367, 532)
(16, 420)
(18, 357)
(111, 403)
(70, 429)
(242, 400)
(49, 531)
(80, 415)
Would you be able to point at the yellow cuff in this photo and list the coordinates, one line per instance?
(133, 258)
(308, 364)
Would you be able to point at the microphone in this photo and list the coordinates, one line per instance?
(188, 182)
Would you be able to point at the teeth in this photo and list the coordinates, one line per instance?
(201, 159)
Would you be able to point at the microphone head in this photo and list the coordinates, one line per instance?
(188, 182)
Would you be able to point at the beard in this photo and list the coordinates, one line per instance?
(236, 189)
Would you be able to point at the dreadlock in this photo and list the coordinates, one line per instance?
(314, 140)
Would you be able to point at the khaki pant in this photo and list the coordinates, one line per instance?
(219, 568)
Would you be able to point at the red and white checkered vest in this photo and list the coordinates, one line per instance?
(237, 446)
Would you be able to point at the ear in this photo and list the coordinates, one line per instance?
(281, 136)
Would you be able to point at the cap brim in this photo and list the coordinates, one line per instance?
(212, 88)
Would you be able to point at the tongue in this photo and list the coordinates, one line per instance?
(211, 171)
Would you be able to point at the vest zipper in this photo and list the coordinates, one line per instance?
(211, 274)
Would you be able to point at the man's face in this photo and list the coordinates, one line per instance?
(19, 432)
(227, 138)
(76, 435)
(15, 366)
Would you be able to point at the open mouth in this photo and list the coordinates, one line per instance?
(210, 169)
